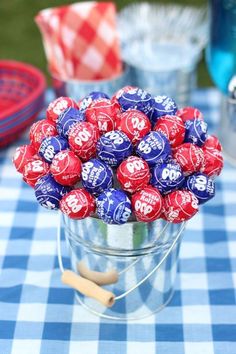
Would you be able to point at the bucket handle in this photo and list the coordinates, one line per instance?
(90, 288)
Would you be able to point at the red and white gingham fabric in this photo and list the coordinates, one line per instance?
(81, 40)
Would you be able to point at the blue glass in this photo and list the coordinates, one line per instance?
(221, 51)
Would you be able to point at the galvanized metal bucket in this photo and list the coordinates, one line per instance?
(144, 257)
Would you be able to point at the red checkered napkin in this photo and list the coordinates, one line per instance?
(81, 41)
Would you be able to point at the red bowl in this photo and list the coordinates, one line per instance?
(22, 89)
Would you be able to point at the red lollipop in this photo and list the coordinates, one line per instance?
(134, 124)
(190, 157)
(58, 106)
(179, 206)
(66, 168)
(33, 170)
(147, 204)
(22, 155)
(83, 138)
(212, 143)
(78, 204)
(213, 162)
(173, 128)
(133, 174)
(40, 130)
(103, 113)
(189, 113)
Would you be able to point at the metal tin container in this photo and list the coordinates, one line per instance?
(77, 89)
(144, 255)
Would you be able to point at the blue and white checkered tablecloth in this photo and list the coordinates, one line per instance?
(39, 315)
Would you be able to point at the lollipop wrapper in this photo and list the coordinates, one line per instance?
(81, 41)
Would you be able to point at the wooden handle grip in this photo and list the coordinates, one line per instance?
(100, 278)
(88, 288)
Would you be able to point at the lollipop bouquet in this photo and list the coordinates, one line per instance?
(128, 157)
(131, 157)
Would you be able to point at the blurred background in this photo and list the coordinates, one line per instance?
(20, 38)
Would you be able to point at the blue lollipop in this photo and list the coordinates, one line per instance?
(162, 106)
(137, 98)
(68, 119)
(167, 177)
(202, 186)
(49, 193)
(114, 147)
(51, 145)
(113, 206)
(96, 176)
(196, 132)
(154, 148)
(92, 96)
